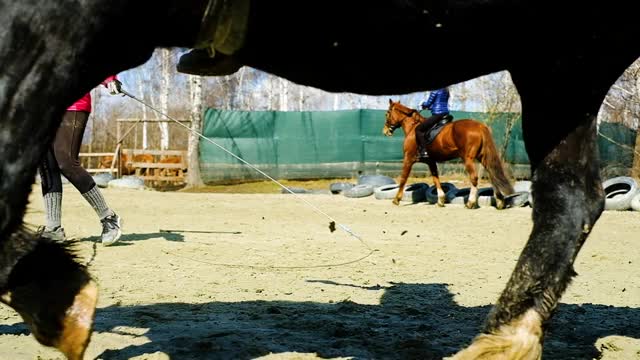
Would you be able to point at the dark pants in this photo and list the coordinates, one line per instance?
(423, 129)
(62, 156)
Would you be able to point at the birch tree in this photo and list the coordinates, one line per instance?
(284, 95)
(164, 98)
(194, 178)
(143, 108)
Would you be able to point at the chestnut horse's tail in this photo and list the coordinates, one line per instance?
(493, 164)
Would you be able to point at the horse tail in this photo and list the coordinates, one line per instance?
(493, 164)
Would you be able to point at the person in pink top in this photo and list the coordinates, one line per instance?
(62, 158)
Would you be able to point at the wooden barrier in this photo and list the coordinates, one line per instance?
(168, 165)
(162, 166)
(91, 170)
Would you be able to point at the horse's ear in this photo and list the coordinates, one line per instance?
(390, 101)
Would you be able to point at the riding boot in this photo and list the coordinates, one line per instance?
(422, 152)
(199, 62)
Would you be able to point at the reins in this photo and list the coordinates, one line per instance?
(410, 114)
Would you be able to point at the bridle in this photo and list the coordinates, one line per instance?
(393, 127)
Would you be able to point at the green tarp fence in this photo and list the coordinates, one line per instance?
(335, 144)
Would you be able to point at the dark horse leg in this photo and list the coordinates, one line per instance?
(569, 198)
(44, 48)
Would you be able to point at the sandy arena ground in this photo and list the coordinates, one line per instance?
(269, 279)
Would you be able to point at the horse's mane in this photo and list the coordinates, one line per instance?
(413, 113)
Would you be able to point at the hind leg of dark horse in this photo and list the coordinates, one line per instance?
(569, 199)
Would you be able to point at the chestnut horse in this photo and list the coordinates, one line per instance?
(467, 139)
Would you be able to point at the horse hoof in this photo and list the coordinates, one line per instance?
(57, 306)
(471, 206)
(519, 340)
(440, 204)
(517, 199)
(396, 202)
(78, 323)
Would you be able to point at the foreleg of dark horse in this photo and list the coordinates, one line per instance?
(407, 164)
(64, 58)
(54, 294)
(569, 199)
(40, 279)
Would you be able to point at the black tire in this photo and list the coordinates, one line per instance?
(415, 193)
(386, 192)
(102, 179)
(486, 191)
(486, 200)
(358, 191)
(375, 180)
(431, 194)
(295, 190)
(635, 202)
(337, 188)
(461, 196)
(524, 186)
(619, 192)
(127, 182)
(521, 186)
(319, 192)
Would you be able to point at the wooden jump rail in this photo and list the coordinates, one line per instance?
(112, 171)
(157, 171)
(169, 172)
(148, 171)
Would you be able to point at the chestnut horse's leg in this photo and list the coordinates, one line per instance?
(470, 166)
(433, 168)
(407, 164)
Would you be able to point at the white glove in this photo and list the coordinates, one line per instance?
(114, 87)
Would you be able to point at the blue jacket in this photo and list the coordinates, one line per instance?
(438, 102)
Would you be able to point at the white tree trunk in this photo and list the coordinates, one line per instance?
(225, 83)
(284, 95)
(194, 178)
(164, 98)
(336, 101)
(301, 98)
(145, 143)
(240, 100)
(271, 92)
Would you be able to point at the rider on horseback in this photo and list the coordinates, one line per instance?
(438, 103)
